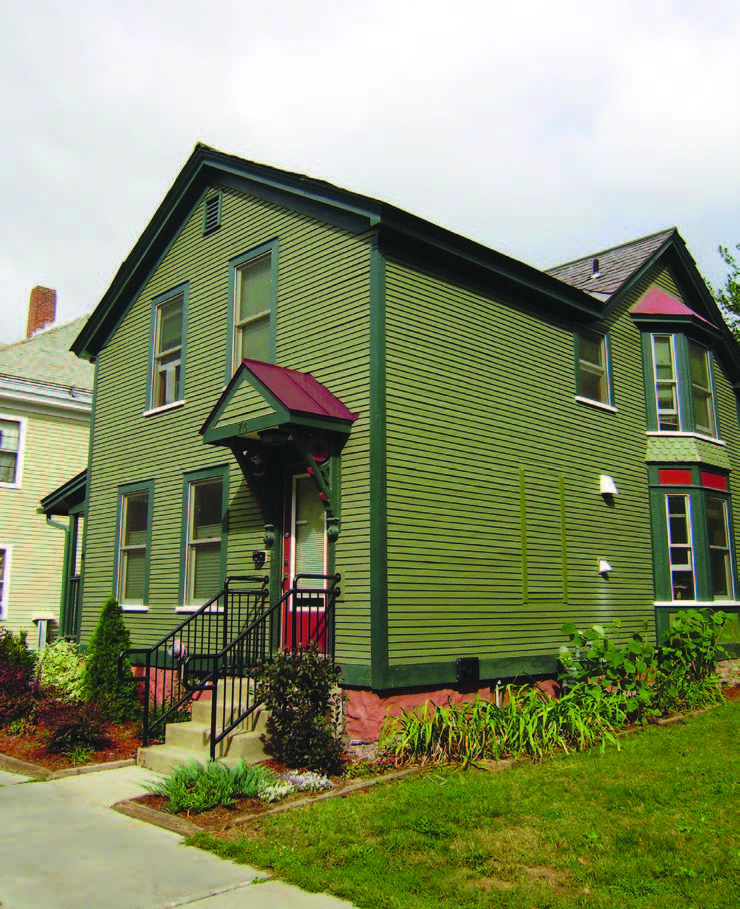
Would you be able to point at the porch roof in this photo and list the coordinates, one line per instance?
(262, 396)
(67, 498)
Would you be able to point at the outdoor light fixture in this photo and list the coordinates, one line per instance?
(604, 567)
(274, 437)
(607, 486)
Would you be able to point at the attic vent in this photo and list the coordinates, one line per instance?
(212, 214)
(595, 273)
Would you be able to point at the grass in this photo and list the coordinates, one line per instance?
(654, 825)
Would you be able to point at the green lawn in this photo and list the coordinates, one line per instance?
(654, 825)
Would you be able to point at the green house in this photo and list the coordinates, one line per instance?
(293, 379)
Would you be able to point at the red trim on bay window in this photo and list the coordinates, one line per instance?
(675, 478)
(714, 481)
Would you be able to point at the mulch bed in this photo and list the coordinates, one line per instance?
(123, 741)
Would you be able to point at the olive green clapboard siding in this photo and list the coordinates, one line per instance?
(55, 449)
(247, 403)
(478, 394)
(322, 328)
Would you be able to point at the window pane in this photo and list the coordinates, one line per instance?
(716, 522)
(663, 358)
(698, 364)
(207, 506)
(720, 565)
(7, 467)
(701, 389)
(170, 325)
(135, 520)
(254, 340)
(590, 349)
(134, 574)
(683, 585)
(9, 435)
(254, 288)
(206, 571)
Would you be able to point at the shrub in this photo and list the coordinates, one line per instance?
(19, 695)
(193, 787)
(14, 653)
(296, 687)
(73, 727)
(61, 668)
(102, 684)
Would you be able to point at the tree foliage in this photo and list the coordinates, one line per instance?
(728, 296)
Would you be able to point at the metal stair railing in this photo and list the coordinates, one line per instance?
(301, 616)
(181, 663)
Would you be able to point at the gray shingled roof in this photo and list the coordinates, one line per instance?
(616, 265)
(46, 357)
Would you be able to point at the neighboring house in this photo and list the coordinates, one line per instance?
(45, 399)
(482, 450)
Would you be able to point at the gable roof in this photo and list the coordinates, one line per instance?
(299, 392)
(46, 358)
(396, 229)
(605, 272)
(657, 302)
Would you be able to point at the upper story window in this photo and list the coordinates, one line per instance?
(682, 376)
(592, 363)
(253, 280)
(167, 366)
(11, 448)
(133, 546)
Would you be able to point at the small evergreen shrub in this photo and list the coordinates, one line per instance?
(296, 687)
(73, 727)
(193, 787)
(102, 685)
(62, 668)
(14, 653)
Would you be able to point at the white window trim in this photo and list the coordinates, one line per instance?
(132, 607)
(165, 407)
(156, 355)
(675, 380)
(598, 404)
(14, 418)
(604, 369)
(668, 434)
(6, 579)
(693, 604)
(690, 545)
(728, 537)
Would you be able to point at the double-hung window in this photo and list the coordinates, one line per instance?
(11, 437)
(4, 579)
(682, 376)
(204, 543)
(253, 305)
(718, 539)
(133, 546)
(593, 367)
(680, 547)
(167, 364)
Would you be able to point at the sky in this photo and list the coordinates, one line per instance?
(546, 130)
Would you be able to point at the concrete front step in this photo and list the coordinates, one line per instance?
(243, 746)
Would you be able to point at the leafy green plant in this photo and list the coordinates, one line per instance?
(116, 695)
(194, 787)
(72, 726)
(81, 754)
(296, 687)
(61, 668)
(623, 673)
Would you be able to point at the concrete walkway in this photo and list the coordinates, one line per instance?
(62, 847)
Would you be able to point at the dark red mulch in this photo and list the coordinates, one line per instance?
(123, 742)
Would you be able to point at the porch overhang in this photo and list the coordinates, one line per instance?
(261, 397)
(69, 498)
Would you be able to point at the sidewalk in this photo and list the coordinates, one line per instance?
(62, 848)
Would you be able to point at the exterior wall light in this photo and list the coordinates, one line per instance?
(604, 568)
(607, 486)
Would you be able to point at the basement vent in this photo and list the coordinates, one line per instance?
(212, 214)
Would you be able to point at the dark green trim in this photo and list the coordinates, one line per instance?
(271, 247)
(88, 486)
(67, 498)
(354, 674)
(378, 479)
(663, 614)
(208, 198)
(193, 476)
(127, 489)
(158, 301)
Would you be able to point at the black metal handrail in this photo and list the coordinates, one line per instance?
(282, 623)
(179, 664)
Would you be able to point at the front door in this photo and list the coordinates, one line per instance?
(305, 553)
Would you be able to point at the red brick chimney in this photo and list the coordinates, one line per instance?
(42, 309)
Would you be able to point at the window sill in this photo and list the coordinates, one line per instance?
(694, 604)
(164, 408)
(685, 435)
(10, 485)
(597, 404)
(134, 607)
(191, 609)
